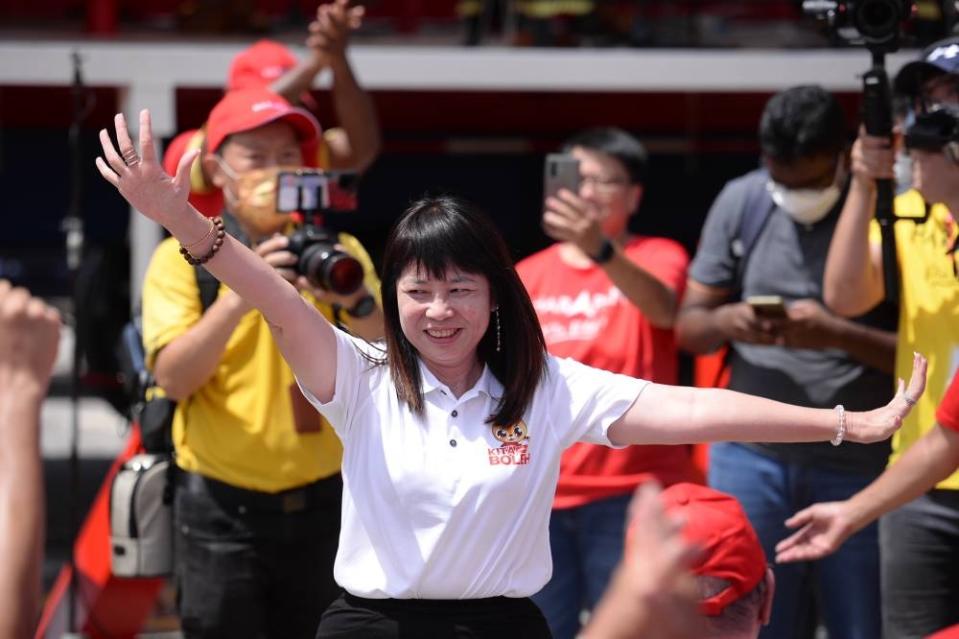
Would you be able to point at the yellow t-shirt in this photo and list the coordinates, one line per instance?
(928, 312)
(238, 428)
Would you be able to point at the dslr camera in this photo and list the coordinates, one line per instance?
(874, 23)
(312, 193)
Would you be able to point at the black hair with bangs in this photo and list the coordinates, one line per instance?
(436, 233)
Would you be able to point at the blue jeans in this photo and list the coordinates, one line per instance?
(586, 544)
(846, 583)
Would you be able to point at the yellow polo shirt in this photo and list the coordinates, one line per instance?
(928, 312)
(238, 428)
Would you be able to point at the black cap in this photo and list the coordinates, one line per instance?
(938, 58)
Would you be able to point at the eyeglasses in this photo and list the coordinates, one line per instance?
(602, 184)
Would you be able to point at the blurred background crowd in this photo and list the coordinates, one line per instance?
(485, 144)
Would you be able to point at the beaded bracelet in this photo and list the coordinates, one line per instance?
(216, 227)
(841, 432)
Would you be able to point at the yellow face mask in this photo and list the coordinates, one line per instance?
(254, 203)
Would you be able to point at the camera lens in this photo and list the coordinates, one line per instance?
(331, 269)
(878, 18)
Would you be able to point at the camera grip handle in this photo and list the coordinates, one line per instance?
(877, 102)
(887, 219)
(877, 118)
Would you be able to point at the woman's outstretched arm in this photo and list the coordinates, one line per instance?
(303, 335)
(682, 415)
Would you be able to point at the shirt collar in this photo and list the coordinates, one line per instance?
(486, 384)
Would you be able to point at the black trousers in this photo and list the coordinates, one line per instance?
(919, 543)
(253, 565)
(496, 618)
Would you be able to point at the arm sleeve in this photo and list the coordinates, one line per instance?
(666, 260)
(948, 412)
(714, 263)
(595, 399)
(353, 368)
(171, 299)
(356, 249)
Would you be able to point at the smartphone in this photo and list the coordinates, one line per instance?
(562, 172)
(767, 306)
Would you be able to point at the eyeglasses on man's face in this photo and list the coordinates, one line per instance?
(603, 184)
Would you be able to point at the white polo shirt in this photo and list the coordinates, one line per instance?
(443, 507)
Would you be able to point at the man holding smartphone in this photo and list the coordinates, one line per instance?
(607, 298)
(768, 235)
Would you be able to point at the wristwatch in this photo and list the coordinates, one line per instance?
(363, 307)
(605, 253)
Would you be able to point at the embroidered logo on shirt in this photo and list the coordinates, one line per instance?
(515, 447)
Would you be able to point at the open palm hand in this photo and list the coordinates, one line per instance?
(880, 424)
(139, 177)
(822, 529)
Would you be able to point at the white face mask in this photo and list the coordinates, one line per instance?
(807, 206)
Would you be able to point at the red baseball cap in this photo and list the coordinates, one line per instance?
(716, 522)
(259, 65)
(248, 109)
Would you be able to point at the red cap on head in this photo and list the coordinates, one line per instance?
(716, 522)
(243, 110)
(259, 65)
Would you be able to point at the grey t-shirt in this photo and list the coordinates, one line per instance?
(788, 259)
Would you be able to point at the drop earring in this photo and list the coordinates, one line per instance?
(498, 342)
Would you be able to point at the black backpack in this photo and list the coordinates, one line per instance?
(154, 413)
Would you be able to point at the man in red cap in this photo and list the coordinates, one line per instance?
(689, 529)
(736, 585)
(350, 147)
(257, 482)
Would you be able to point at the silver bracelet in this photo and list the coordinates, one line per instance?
(841, 431)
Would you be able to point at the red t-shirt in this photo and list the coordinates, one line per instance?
(585, 317)
(948, 412)
(952, 632)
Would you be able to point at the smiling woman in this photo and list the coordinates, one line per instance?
(452, 439)
(447, 269)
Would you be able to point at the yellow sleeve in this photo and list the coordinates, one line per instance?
(370, 278)
(875, 233)
(171, 299)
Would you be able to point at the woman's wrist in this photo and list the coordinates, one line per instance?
(189, 227)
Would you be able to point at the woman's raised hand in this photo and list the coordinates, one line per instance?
(877, 425)
(139, 177)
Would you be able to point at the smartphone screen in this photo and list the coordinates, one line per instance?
(287, 192)
(314, 191)
(767, 306)
(562, 172)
